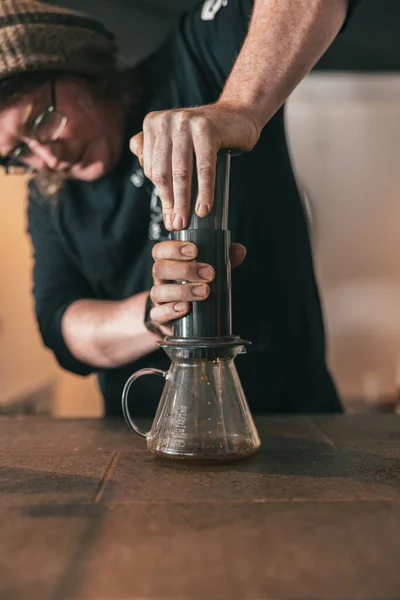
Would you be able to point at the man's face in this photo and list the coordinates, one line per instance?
(89, 144)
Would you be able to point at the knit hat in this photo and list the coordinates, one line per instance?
(35, 36)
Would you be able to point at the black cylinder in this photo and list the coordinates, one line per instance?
(211, 317)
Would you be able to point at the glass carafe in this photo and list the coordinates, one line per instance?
(203, 414)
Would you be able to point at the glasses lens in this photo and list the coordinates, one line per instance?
(49, 127)
(18, 160)
(18, 170)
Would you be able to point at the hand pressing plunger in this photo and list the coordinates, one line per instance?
(175, 261)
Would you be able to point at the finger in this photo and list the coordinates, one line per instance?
(166, 313)
(148, 144)
(178, 270)
(174, 250)
(206, 160)
(173, 292)
(161, 175)
(237, 254)
(136, 146)
(182, 174)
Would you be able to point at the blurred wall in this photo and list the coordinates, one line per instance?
(344, 135)
(26, 368)
(24, 365)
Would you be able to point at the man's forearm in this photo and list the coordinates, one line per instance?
(108, 334)
(286, 38)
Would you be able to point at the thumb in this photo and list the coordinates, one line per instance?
(238, 254)
(136, 146)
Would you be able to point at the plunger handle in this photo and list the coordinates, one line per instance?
(211, 317)
(218, 216)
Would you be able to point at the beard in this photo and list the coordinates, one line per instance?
(48, 184)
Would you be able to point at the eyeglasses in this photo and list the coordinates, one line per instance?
(47, 127)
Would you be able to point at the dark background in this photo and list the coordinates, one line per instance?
(371, 42)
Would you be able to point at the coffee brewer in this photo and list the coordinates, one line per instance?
(203, 415)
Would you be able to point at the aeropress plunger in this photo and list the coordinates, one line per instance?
(203, 415)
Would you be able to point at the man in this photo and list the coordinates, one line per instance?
(68, 114)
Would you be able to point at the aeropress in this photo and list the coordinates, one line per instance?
(203, 415)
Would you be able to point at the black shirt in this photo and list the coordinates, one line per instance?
(96, 241)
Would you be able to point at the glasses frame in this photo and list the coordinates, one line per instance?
(21, 148)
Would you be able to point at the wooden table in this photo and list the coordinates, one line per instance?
(85, 512)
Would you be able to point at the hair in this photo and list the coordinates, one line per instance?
(114, 86)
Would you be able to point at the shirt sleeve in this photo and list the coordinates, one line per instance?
(352, 7)
(213, 34)
(56, 285)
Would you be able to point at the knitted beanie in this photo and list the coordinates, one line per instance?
(35, 36)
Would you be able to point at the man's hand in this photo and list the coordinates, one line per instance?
(174, 261)
(285, 40)
(170, 140)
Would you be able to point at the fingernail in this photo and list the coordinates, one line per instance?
(206, 272)
(168, 221)
(189, 250)
(178, 222)
(199, 290)
(179, 307)
(202, 210)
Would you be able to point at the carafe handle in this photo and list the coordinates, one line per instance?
(125, 393)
